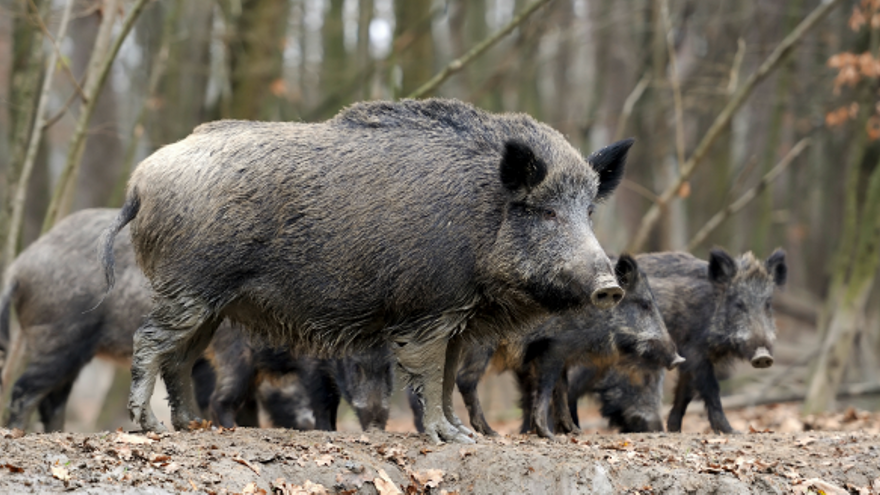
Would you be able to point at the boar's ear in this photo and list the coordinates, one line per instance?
(776, 267)
(610, 162)
(722, 267)
(627, 272)
(520, 168)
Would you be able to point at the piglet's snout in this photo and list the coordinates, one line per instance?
(762, 358)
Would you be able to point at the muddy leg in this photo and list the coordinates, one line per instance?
(684, 393)
(423, 363)
(176, 368)
(418, 409)
(450, 370)
(472, 369)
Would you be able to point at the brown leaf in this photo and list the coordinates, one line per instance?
(254, 468)
(156, 458)
(384, 484)
(172, 468)
(14, 433)
(13, 469)
(197, 425)
(324, 460)
(430, 478)
(463, 452)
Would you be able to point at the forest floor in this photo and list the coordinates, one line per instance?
(777, 452)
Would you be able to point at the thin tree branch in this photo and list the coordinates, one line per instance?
(737, 64)
(77, 143)
(639, 189)
(688, 168)
(629, 104)
(846, 390)
(33, 145)
(58, 52)
(55, 118)
(461, 62)
(749, 195)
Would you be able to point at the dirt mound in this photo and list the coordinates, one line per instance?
(283, 461)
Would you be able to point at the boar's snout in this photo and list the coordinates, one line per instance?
(762, 358)
(607, 294)
(676, 361)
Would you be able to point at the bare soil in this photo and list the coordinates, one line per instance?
(778, 452)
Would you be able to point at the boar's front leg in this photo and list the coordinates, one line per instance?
(450, 372)
(684, 393)
(707, 386)
(424, 364)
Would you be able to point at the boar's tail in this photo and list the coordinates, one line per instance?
(105, 244)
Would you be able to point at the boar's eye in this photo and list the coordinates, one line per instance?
(549, 214)
(768, 306)
(645, 305)
(741, 306)
(590, 211)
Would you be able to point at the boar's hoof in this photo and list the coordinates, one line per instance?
(444, 431)
(675, 362)
(762, 358)
(606, 297)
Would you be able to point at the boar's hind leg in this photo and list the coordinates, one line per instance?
(423, 363)
(173, 349)
(473, 367)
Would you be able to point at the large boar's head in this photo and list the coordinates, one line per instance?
(547, 232)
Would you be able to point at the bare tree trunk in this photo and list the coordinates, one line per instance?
(24, 84)
(417, 63)
(256, 59)
(335, 71)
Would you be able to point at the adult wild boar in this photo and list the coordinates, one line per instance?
(421, 224)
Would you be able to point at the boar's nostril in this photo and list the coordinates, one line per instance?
(607, 297)
(762, 358)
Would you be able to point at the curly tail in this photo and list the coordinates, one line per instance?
(105, 244)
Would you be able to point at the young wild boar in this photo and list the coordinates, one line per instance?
(630, 398)
(420, 224)
(716, 312)
(364, 378)
(629, 336)
(55, 286)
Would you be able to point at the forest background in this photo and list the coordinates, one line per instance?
(756, 121)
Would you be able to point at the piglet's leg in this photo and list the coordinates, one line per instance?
(684, 393)
(707, 386)
(473, 367)
(424, 364)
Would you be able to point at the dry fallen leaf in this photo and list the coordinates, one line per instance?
(384, 484)
(122, 437)
(13, 469)
(254, 468)
(430, 478)
(324, 460)
(60, 473)
(157, 458)
(172, 468)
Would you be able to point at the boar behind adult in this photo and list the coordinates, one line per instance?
(419, 223)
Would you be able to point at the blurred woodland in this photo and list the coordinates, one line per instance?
(765, 112)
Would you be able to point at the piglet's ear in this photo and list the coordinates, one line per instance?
(777, 268)
(610, 163)
(722, 268)
(627, 272)
(520, 168)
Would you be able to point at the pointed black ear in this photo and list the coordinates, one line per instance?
(627, 272)
(722, 268)
(777, 268)
(610, 162)
(520, 168)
